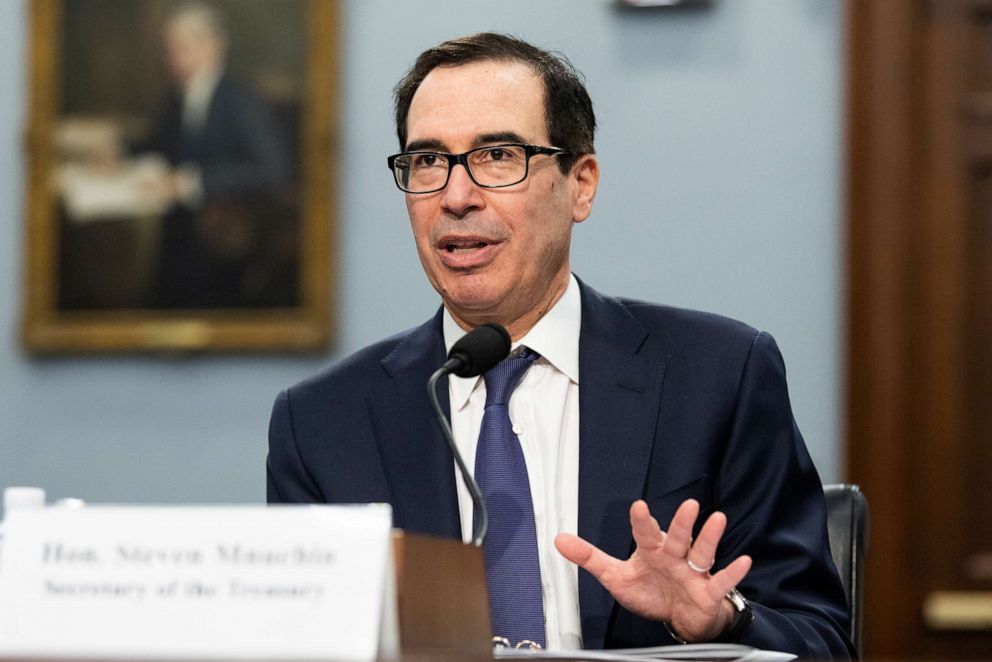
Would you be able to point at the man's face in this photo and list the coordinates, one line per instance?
(190, 47)
(493, 254)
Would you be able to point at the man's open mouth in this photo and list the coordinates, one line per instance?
(464, 246)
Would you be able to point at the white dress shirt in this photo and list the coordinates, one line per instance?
(544, 410)
(197, 95)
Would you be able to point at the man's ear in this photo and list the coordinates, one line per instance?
(585, 176)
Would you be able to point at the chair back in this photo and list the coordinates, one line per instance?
(847, 525)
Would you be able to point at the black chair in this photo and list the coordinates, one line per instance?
(847, 525)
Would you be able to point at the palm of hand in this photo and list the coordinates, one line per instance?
(657, 582)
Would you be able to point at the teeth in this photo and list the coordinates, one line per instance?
(461, 248)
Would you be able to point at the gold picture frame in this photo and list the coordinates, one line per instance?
(104, 271)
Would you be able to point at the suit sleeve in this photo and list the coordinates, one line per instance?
(776, 513)
(287, 479)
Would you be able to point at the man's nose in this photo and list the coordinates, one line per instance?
(461, 195)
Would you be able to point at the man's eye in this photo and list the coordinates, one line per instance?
(494, 154)
(425, 160)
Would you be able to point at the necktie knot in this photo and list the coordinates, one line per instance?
(505, 375)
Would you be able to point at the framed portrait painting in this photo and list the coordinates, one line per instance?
(180, 175)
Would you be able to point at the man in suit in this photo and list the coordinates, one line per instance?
(226, 159)
(628, 415)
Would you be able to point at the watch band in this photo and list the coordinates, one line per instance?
(743, 616)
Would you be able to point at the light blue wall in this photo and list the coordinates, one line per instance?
(719, 142)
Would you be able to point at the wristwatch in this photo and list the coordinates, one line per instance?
(743, 615)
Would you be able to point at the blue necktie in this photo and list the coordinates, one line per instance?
(513, 573)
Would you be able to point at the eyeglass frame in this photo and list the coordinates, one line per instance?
(462, 159)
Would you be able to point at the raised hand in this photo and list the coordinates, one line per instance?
(667, 577)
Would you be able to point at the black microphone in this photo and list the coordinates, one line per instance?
(478, 350)
(475, 353)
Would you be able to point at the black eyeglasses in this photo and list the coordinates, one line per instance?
(493, 166)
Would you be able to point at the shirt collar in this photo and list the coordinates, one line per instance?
(555, 337)
(202, 83)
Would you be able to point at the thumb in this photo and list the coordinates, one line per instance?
(585, 555)
(573, 548)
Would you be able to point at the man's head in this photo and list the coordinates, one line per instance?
(195, 41)
(498, 254)
(568, 112)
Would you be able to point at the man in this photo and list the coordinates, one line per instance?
(629, 414)
(226, 162)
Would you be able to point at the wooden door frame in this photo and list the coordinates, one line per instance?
(906, 287)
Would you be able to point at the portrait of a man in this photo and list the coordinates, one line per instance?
(176, 178)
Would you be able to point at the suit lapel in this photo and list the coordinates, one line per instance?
(418, 465)
(619, 400)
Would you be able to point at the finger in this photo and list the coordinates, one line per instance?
(703, 550)
(680, 529)
(722, 582)
(647, 532)
(585, 555)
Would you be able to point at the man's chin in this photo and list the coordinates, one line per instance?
(484, 310)
(474, 307)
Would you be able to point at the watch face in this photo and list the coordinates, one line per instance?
(737, 599)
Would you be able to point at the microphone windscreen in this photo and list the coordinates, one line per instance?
(480, 349)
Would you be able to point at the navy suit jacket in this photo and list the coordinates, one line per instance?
(673, 404)
(239, 150)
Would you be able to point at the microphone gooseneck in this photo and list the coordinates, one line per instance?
(475, 353)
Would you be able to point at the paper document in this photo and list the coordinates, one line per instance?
(698, 652)
(92, 195)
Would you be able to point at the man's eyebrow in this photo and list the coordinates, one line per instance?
(435, 145)
(431, 144)
(501, 137)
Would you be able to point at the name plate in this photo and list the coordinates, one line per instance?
(219, 582)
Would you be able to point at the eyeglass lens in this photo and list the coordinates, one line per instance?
(501, 165)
